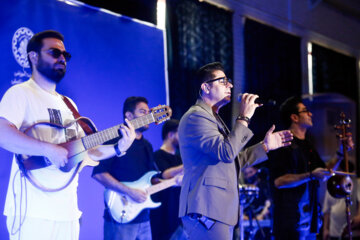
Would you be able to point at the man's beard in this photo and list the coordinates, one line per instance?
(143, 129)
(50, 72)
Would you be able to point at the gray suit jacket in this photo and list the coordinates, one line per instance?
(210, 183)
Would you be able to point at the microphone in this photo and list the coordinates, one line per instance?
(269, 102)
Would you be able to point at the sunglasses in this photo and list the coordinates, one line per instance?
(56, 53)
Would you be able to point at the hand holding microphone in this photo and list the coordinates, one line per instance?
(247, 105)
(261, 102)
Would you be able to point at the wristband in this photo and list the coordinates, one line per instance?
(117, 151)
(244, 118)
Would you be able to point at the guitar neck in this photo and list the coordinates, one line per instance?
(161, 186)
(103, 136)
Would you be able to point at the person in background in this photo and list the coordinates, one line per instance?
(260, 206)
(295, 172)
(334, 210)
(112, 172)
(165, 222)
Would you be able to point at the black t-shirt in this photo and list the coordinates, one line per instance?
(295, 209)
(128, 168)
(167, 213)
(165, 160)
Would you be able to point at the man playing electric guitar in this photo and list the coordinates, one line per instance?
(32, 213)
(112, 172)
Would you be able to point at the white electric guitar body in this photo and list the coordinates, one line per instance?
(124, 209)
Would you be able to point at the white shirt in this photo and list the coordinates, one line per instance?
(336, 207)
(23, 105)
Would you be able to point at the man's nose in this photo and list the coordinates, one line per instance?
(61, 58)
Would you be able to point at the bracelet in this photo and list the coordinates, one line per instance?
(244, 118)
(264, 146)
(117, 151)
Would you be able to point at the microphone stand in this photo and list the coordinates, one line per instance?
(251, 214)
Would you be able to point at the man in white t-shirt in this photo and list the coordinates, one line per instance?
(33, 213)
(334, 210)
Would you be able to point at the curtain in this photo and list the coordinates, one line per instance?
(334, 72)
(272, 70)
(197, 33)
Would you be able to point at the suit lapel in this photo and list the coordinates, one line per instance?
(222, 128)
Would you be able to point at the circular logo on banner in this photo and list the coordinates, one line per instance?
(19, 43)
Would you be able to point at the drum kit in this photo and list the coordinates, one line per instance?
(251, 229)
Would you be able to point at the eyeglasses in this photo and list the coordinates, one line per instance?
(223, 80)
(56, 53)
(304, 111)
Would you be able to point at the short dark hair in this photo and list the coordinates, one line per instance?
(35, 43)
(169, 126)
(288, 107)
(131, 102)
(205, 73)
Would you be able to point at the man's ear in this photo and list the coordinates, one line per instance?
(33, 57)
(170, 135)
(205, 88)
(294, 117)
(129, 115)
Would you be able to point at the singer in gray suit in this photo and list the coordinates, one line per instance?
(212, 157)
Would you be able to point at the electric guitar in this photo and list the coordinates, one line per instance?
(78, 148)
(124, 209)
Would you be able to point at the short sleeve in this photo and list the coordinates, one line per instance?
(160, 161)
(13, 106)
(103, 166)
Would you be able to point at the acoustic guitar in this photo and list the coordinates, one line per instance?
(78, 148)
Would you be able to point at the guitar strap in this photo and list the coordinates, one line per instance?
(88, 128)
(85, 126)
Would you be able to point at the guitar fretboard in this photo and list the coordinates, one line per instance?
(103, 136)
(161, 186)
